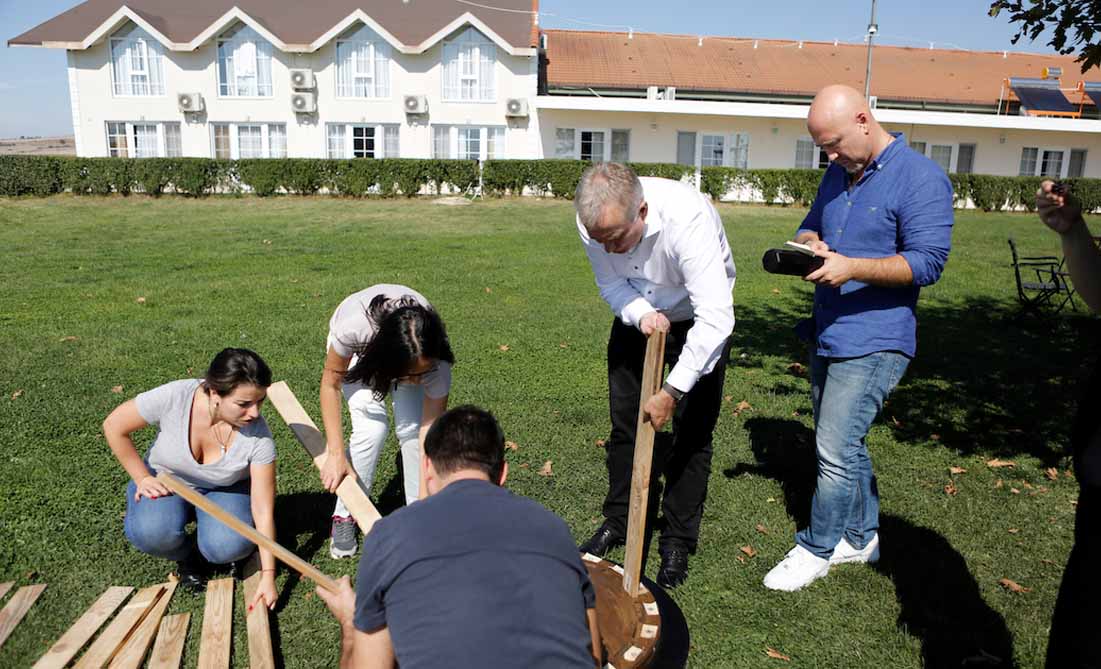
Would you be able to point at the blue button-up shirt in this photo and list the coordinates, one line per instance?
(902, 205)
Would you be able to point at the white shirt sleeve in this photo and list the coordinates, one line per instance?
(708, 287)
(625, 301)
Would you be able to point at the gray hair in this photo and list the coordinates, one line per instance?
(606, 185)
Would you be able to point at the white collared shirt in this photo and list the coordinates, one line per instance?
(682, 267)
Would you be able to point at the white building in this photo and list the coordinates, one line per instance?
(438, 78)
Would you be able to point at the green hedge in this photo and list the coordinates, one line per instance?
(389, 177)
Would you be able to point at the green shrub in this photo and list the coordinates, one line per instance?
(200, 176)
(153, 175)
(262, 175)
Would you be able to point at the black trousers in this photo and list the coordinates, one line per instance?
(684, 460)
(1075, 639)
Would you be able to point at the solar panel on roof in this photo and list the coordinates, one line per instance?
(1093, 92)
(1041, 95)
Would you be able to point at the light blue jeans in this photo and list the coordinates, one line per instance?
(157, 526)
(847, 394)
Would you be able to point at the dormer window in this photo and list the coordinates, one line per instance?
(469, 61)
(244, 64)
(136, 63)
(362, 65)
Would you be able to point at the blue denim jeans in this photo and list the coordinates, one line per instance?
(157, 526)
(847, 394)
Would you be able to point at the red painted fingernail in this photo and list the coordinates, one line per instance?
(250, 608)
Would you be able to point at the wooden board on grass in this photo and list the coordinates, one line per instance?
(108, 644)
(132, 653)
(260, 653)
(169, 647)
(17, 607)
(214, 645)
(644, 460)
(4, 587)
(304, 429)
(84, 628)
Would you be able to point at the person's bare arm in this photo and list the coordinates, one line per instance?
(262, 503)
(335, 465)
(117, 428)
(892, 271)
(1062, 212)
(431, 409)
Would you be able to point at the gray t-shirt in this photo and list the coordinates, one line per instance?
(169, 407)
(350, 329)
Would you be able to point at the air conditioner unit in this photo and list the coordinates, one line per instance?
(671, 93)
(652, 93)
(516, 107)
(189, 102)
(873, 100)
(416, 104)
(302, 79)
(304, 103)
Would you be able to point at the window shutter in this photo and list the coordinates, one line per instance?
(488, 58)
(451, 71)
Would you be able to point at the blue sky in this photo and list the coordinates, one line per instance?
(34, 81)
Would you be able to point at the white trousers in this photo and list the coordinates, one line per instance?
(371, 424)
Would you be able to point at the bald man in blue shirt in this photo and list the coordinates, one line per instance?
(882, 222)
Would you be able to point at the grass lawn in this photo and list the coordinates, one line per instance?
(105, 298)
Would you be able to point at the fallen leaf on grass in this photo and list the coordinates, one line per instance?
(775, 291)
(116, 389)
(951, 489)
(308, 595)
(771, 500)
(511, 446)
(957, 470)
(748, 550)
(995, 463)
(17, 394)
(1068, 474)
(727, 398)
(795, 414)
(524, 465)
(742, 406)
(776, 655)
(503, 347)
(546, 470)
(266, 242)
(488, 289)
(563, 345)
(935, 437)
(762, 529)
(140, 300)
(998, 483)
(31, 575)
(69, 338)
(1013, 530)
(600, 443)
(1015, 491)
(1027, 485)
(740, 558)
(1048, 562)
(1013, 586)
(797, 369)
(1051, 473)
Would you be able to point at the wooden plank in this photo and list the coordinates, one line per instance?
(214, 645)
(169, 647)
(247, 531)
(17, 607)
(260, 653)
(104, 648)
(652, 369)
(304, 429)
(132, 653)
(84, 628)
(4, 587)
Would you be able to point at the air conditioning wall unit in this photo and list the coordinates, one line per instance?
(659, 93)
(303, 79)
(416, 104)
(304, 102)
(671, 93)
(190, 102)
(516, 108)
(873, 101)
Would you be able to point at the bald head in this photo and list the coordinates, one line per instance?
(840, 122)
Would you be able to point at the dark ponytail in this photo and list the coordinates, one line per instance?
(233, 367)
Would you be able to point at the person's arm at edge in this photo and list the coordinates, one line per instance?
(431, 409)
(336, 464)
(358, 650)
(117, 428)
(626, 303)
(262, 501)
(1064, 215)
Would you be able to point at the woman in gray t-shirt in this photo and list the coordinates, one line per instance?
(211, 436)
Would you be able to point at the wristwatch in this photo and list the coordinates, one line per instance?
(677, 395)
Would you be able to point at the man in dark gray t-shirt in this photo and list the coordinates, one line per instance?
(472, 576)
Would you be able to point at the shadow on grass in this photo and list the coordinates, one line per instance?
(939, 600)
(987, 378)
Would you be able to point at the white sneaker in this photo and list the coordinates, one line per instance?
(846, 553)
(798, 569)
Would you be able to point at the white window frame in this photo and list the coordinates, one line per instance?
(955, 145)
(161, 149)
(378, 66)
(1085, 160)
(152, 60)
(382, 146)
(953, 155)
(607, 152)
(262, 52)
(469, 47)
(730, 145)
(1040, 151)
(956, 156)
(235, 138)
(501, 150)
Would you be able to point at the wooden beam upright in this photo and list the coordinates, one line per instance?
(84, 628)
(247, 531)
(4, 587)
(17, 607)
(304, 429)
(644, 459)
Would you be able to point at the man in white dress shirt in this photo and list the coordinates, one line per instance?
(662, 262)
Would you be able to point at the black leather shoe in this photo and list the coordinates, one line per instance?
(605, 539)
(191, 574)
(674, 567)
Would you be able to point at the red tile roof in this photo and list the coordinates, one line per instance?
(292, 21)
(578, 58)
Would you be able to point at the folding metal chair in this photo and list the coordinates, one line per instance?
(1050, 289)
